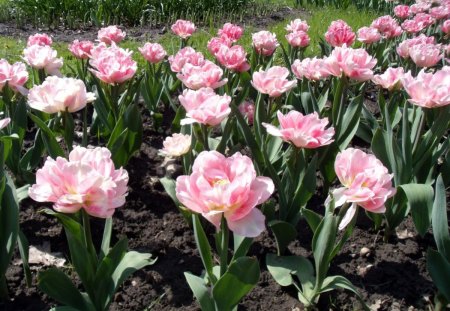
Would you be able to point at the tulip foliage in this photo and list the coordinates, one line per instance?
(258, 133)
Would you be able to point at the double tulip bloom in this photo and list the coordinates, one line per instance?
(81, 49)
(387, 26)
(339, 33)
(185, 56)
(231, 32)
(304, 131)
(176, 145)
(356, 64)
(427, 89)
(273, 81)
(112, 65)
(87, 180)
(265, 42)
(233, 58)
(390, 79)
(310, 68)
(43, 57)
(204, 106)
(206, 75)
(153, 52)
(183, 29)
(368, 35)
(111, 34)
(226, 187)
(59, 95)
(366, 183)
(39, 39)
(15, 76)
(425, 55)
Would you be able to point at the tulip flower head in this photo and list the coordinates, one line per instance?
(87, 180)
(226, 187)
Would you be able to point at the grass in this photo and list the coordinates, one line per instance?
(319, 19)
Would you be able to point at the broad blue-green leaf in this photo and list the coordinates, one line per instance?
(48, 137)
(200, 291)
(284, 233)
(323, 244)
(439, 220)
(203, 246)
(439, 268)
(240, 278)
(420, 201)
(57, 285)
(338, 281)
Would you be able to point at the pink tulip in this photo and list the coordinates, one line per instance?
(446, 27)
(15, 76)
(59, 94)
(112, 65)
(387, 26)
(4, 123)
(111, 34)
(264, 42)
(425, 55)
(233, 58)
(231, 31)
(206, 75)
(176, 145)
(356, 64)
(411, 26)
(39, 39)
(183, 29)
(297, 25)
(81, 49)
(304, 131)
(420, 7)
(43, 57)
(247, 109)
(87, 180)
(153, 52)
(339, 33)
(204, 106)
(402, 11)
(216, 43)
(273, 81)
(311, 69)
(368, 35)
(184, 56)
(440, 12)
(424, 20)
(298, 39)
(405, 46)
(427, 89)
(390, 79)
(366, 182)
(226, 187)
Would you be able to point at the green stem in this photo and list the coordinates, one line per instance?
(205, 137)
(224, 245)
(87, 234)
(84, 141)
(419, 132)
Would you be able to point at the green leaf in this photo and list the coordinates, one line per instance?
(282, 268)
(22, 242)
(284, 233)
(241, 245)
(9, 222)
(200, 291)
(338, 281)
(240, 278)
(439, 220)
(169, 186)
(57, 285)
(48, 137)
(420, 201)
(312, 218)
(323, 244)
(203, 246)
(350, 122)
(439, 269)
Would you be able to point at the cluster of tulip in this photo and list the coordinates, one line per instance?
(297, 121)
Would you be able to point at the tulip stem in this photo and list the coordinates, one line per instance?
(205, 137)
(87, 234)
(85, 138)
(224, 235)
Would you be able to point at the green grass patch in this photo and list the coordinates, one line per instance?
(319, 19)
